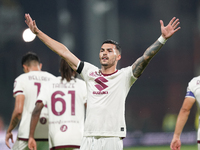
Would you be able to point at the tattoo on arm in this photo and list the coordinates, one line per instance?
(15, 122)
(140, 64)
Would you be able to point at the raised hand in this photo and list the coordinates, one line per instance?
(31, 24)
(9, 136)
(171, 28)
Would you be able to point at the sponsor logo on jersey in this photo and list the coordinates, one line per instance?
(43, 120)
(95, 74)
(63, 128)
(198, 82)
(101, 85)
(92, 74)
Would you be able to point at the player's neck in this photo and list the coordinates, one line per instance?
(108, 70)
(34, 68)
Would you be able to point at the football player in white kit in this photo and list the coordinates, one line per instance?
(192, 96)
(107, 87)
(66, 100)
(26, 88)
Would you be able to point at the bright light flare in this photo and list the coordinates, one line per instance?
(28, 35)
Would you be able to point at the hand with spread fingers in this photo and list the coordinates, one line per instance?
(171, 28)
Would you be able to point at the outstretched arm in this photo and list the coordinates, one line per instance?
(16, 117)
(34, 120)
(167, 31)
(54, 45)
(181, 121)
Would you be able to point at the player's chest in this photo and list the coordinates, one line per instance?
(104, 84)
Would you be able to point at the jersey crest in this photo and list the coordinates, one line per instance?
(63, 128)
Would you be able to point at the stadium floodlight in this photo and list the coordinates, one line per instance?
(28, 35)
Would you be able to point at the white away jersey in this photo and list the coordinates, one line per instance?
(66, 109)
(193, 90)
(29, 85)
(107, 93)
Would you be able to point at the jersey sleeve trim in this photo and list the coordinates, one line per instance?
(38, 101)
(80, 67)
(190, 94)
(17, 92)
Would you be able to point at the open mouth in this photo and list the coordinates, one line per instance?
(104, 58)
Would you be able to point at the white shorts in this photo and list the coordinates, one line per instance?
(102, 143)
(20, 145)
(23, 145)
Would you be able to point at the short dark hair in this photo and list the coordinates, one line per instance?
(28, 58)
(66, 71)
(115, 43)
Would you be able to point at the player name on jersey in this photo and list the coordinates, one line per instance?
(65, 85)
(38, 78)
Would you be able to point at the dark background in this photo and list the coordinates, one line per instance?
(156, 97)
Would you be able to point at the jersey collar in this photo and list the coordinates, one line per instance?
(108, 74)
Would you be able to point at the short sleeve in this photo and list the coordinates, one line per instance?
(87, 67)
(128, 74)
(189, 92)
(18, 87)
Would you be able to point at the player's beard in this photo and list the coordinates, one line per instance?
(104, 64)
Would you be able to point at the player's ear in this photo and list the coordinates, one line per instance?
(40, 66)
(25, 68)
(118, 57)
